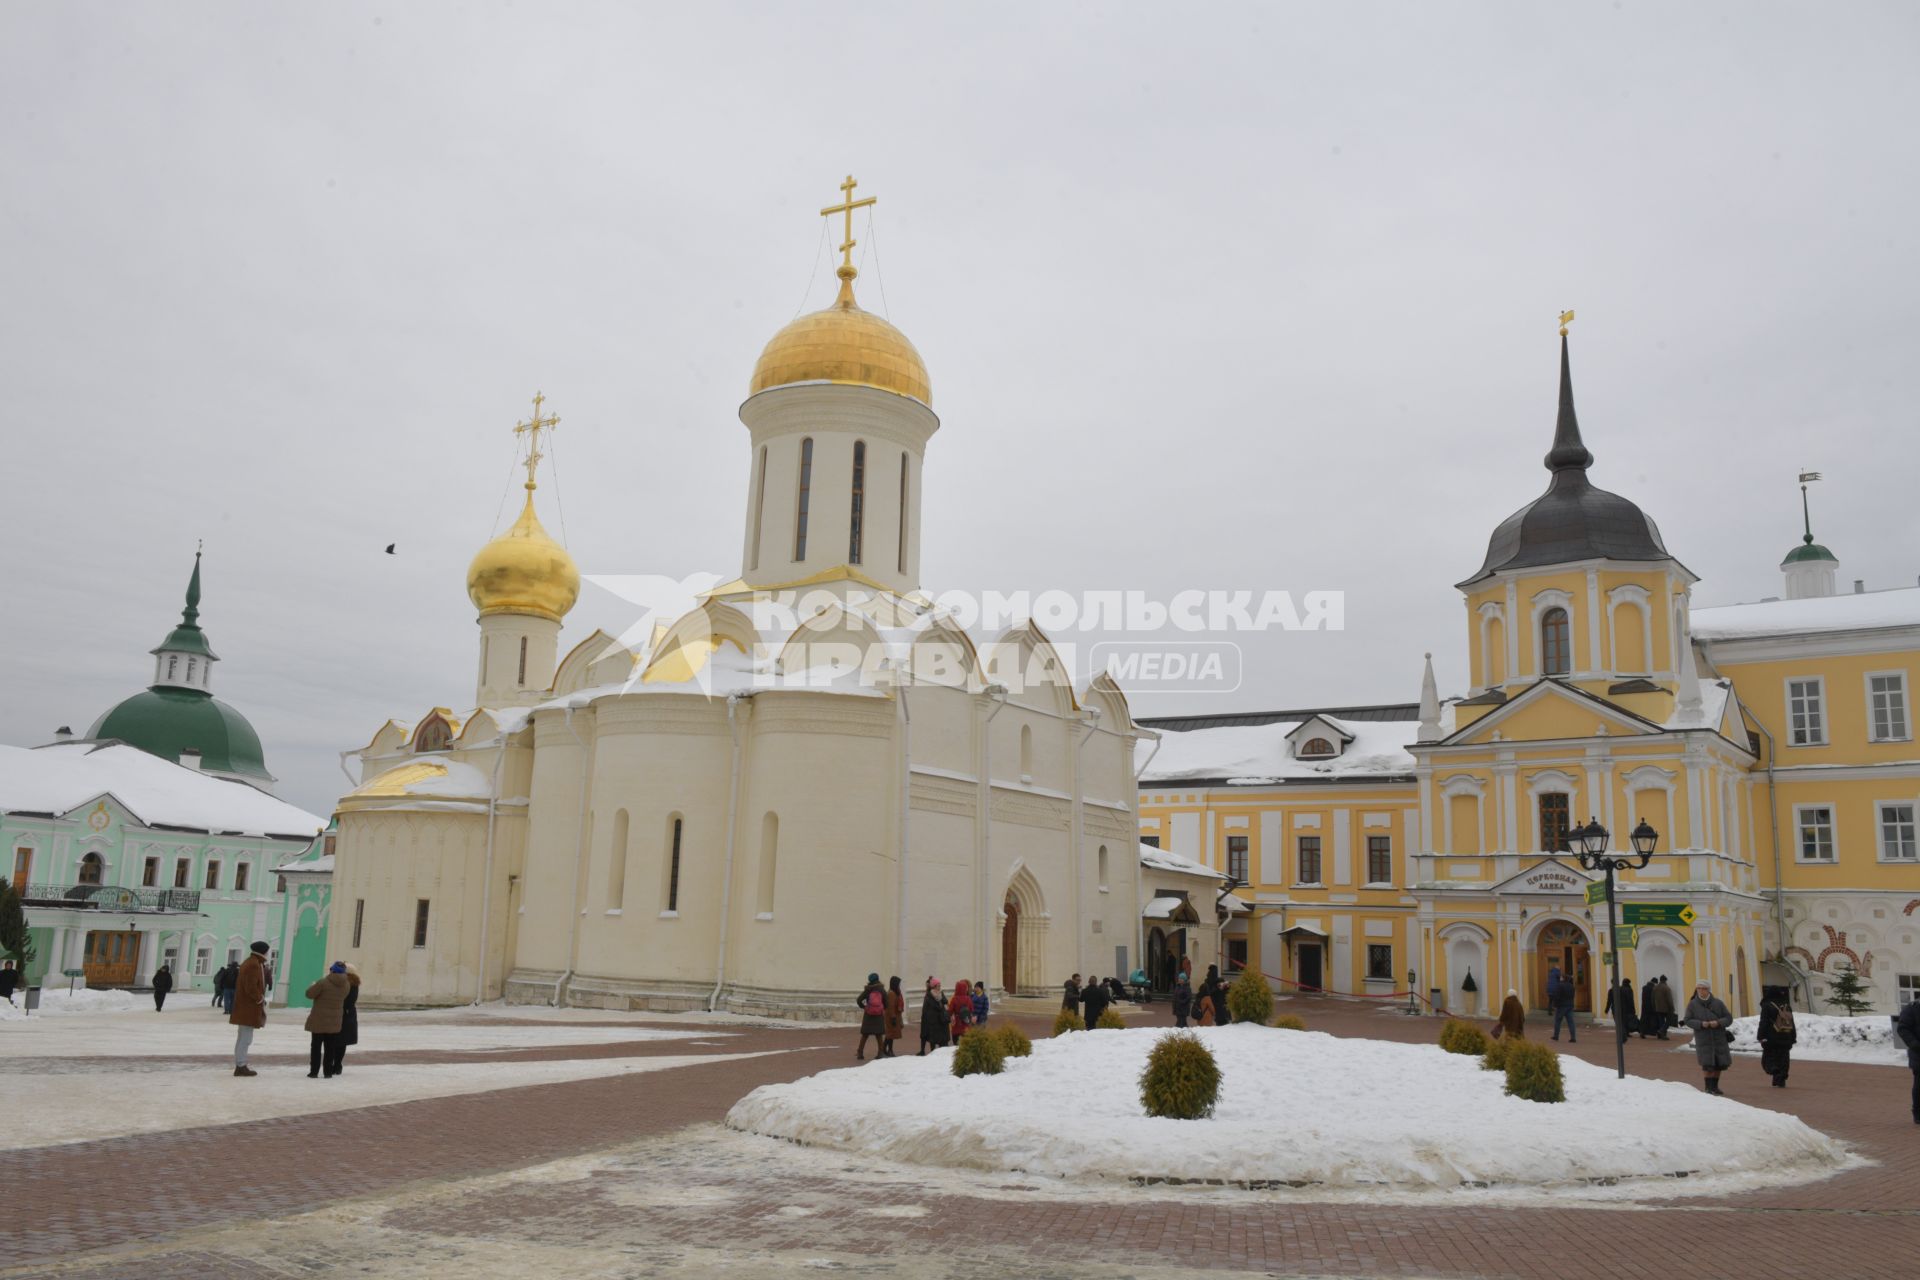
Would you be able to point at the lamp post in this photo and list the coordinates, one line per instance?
(1590, 842)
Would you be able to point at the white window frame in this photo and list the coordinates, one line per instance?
(202, 961)
(1906, 987)
(1906, 706)
(1786, 689)
(1833, 836)
(1880, 830)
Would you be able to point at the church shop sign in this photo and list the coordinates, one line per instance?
(1549, 877)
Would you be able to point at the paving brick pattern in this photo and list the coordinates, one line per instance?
(1864, 1223)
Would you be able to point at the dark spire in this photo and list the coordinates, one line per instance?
(1568, 453)
(1806, 513)
(190, 616)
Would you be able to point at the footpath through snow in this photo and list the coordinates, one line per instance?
(1295, 1109)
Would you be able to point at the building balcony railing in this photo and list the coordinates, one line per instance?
(110, 897)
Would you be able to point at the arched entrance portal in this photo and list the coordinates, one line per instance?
(1023, 935)
(1561, 945)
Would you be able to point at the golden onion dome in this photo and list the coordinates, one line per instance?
(846, 345)
(524, 571)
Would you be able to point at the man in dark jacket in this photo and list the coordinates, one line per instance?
(1777, 1034)
(1071, 998)
(1560, 999)
(1095, 996)
(1907, 1025)
(1649, 1015)
(9, 982)
(162, 983)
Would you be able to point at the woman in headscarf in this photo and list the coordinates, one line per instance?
(933, 1018)
(1649, 1013)
(1513, 1019)
(896, 1016)
(1777, 1034)
(1712, 1034)
(1620, 1005)
(960, 1009)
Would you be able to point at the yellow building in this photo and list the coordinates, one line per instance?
(1770, 745)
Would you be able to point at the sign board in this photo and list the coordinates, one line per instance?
(73, 973)
(1626, 936)
(1546, 877)
(1671, 914)
(1596, 892)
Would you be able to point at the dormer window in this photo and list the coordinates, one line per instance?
(1316, 748)
(435, 735)
(1319, 737)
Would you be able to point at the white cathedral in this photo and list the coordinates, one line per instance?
(743, 817)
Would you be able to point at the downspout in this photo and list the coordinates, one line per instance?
(1139, 925)
(1079, 836)
(486, 887)
(579, 856)
(997, 692)
(726, 877)
(906, 811)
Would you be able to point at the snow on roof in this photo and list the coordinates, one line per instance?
(1863, 612)
(1162, 908)
(1713, 705)
(60, 778)
(1168, 860)
(1253, 754)
(316, 866)
(1234, 904)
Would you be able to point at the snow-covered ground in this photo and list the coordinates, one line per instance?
(58, 1002)
(1296, 1108)
(1867, 1039)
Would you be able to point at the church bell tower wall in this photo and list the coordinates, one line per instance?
(815, 432)
(517, 656)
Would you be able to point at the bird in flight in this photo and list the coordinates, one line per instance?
(390, 547)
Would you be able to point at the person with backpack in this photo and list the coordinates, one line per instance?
(933, 1019)
(960, 1009)
(872, 1003)
(1777, 1034)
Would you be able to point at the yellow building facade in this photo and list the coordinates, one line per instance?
(1421, 845)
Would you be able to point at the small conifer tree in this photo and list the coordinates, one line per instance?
(1846, 991)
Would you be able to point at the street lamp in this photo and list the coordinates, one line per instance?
(1590, 843)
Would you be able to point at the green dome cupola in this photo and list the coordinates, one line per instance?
(1810, 568)
(178, 715)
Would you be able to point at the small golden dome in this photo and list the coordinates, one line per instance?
(843, 344)
(524, 571)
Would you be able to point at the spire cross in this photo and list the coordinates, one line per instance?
(532, 430)
(846, 206)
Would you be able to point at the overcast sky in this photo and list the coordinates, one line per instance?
(1223, 297)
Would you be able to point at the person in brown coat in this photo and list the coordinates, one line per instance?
(329, 996)
(249, 1006)
(896, 1017)
(1513, 1019)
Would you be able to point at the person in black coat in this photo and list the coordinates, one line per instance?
(933, 1019)
(9, 982)
(1095, 997)
(1071, 997)
(1907, 1028)
(1649, 1016)
(1182, 1002)
(162, 983)
(1777, 1034)
(334, 1052)
(222, 977)
(1620, 1005)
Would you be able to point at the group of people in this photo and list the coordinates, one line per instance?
(1205, 1006)
(943, 1019)
(1706, 1014)
(333, 1021)
(1655, 1013)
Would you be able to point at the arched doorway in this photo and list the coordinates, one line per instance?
(1157, 969)
(1561, 945)
(1010, 945)
(1023, 935)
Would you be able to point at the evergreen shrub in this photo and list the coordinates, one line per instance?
(979, 1053)
(1249, 998)
(1110, 1020)
(1013, 1040)
(1459, 1036)
(1290, 1022)
(1067, 1020)
(1496, 1057)
(1533, 1073)
(1181, 1080)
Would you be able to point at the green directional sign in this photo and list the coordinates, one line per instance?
(1596, 892)
(1626, 936)
(1671, 914)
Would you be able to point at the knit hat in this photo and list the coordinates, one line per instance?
(259, 948)
(873, 977)
(338, 966)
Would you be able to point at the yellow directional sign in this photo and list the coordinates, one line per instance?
(1671, 914)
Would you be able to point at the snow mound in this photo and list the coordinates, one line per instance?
(1295, 1109)
(58, 1001)
(1825, 1038)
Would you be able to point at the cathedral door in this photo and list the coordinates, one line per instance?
(1562, 946)
(1010, 948)
(111, 958)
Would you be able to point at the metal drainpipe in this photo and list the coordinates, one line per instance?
(1779, 885)
(486, 886)
(998, 692)
(1079, 831)
(906, 813)
(1139, 925)
(726, 878)
(580, 853)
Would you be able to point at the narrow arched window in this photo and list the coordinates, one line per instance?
(759, 505)
(92, 869)
(859, 500)
(769, 859)
(617, 862)
(1103, 868)
(521, 679)
(903, 513)
(1026, 752)
(806, 488)
(673, 865)
(1556, 643)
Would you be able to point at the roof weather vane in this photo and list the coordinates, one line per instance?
(1806, 514)
(846, 206)
(532, 430)
(1566, 318)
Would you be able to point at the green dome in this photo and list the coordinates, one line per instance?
(165, 721)
(1809, 551)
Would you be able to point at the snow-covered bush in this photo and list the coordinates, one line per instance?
(1533, 1072)
(1013, 1040)
(1067, 1020)
(1181, 1080)
(1459, 1036)
(1496, 1055)
(979, 1053)
(1249, 998)
(1290, 1022)
(1110, 1020)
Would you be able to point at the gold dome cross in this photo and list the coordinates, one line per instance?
(847, 205)
(533, 429)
